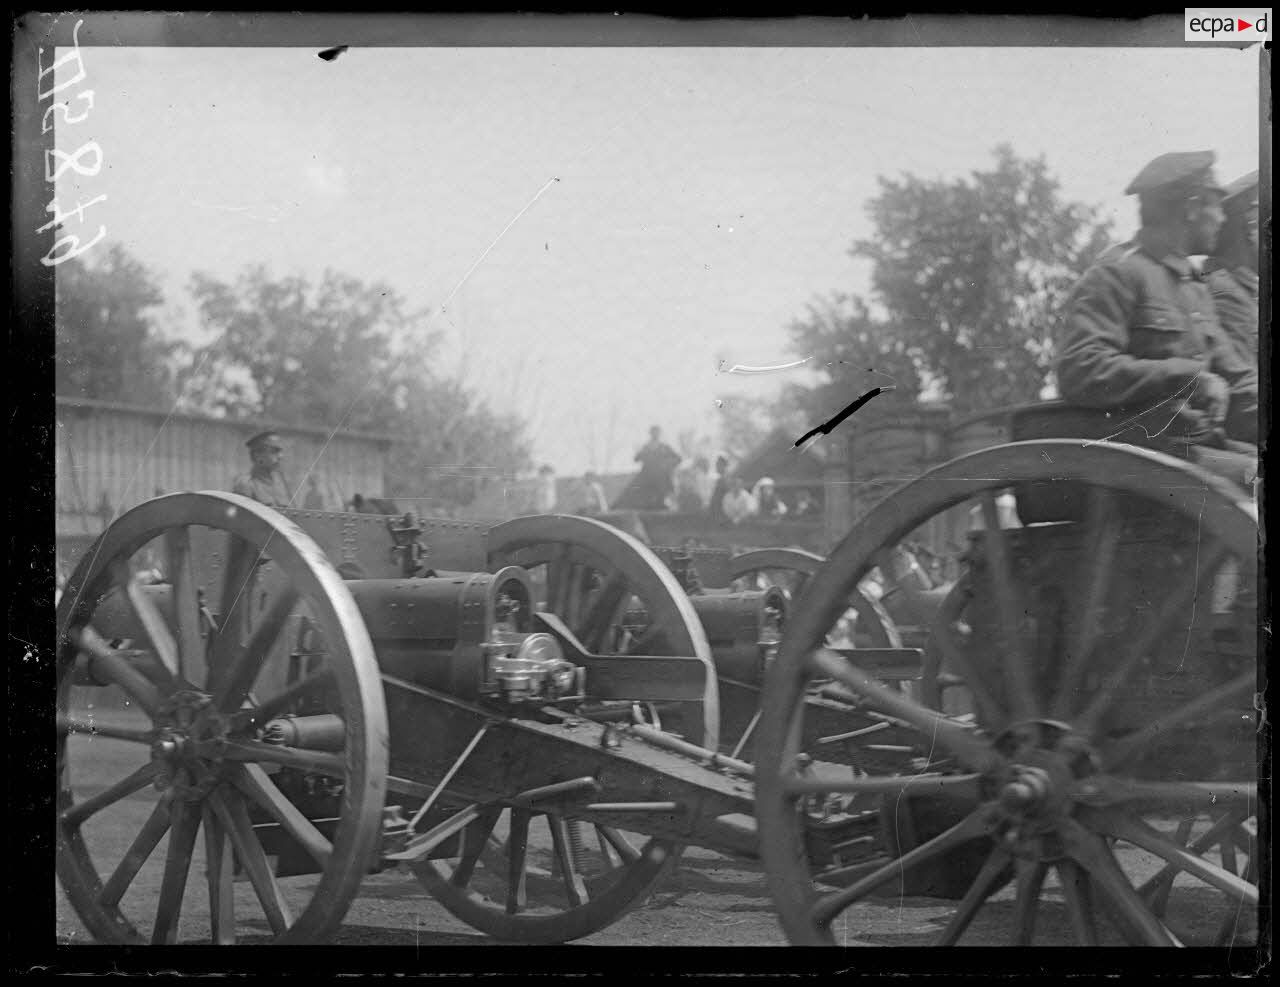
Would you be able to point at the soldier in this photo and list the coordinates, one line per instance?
(1141, 334)
(1233, 268)
(264, 483)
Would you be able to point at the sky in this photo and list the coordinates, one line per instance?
(600, 232)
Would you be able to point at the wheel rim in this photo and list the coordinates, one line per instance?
(1051, 778)
(590, 575)
(537, 877)
(873, 622)
(205, 708)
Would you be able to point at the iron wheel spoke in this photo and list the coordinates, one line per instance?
(317, 762)
(1140, 834)
(1191, 795)
(281, 702)
(144, 843)
(242, 670)
(233, 603)
(517, 869)
(186, 603)
(1091, 851)
(1213, 701)
(1030, 879)
(1159, 896)
(112, 665)
(1017, 669)
(955, 656)
(1078, 895)
(1092, 589)
(154, 625)
(231, 812)
(1202, 843)
(961, 741)
(824, 911)
(177, 864)
(77, 814)
(1172, 611)
(621, 845)
(603, 611)
(257, 784)
(75, 725)
(475, 839)
(983, 887)
(220, 871)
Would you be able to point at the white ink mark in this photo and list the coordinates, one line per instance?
(742, 368)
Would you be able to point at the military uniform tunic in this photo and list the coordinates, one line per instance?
(1235, 299)
(270, 490)
(1140, 326)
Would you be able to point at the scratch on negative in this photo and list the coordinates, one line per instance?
(742, 368)
(1134, 420)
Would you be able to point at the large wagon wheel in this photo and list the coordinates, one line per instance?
(199, 670)
(531, 874)
(1110, 655)
(595, 577)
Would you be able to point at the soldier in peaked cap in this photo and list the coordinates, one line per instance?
(264, 482)
(1232, 271)
(1140, 330)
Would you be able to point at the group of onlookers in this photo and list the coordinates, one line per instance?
(662, 485)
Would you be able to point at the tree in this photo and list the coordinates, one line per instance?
(295, 354)
(348, 355)
(967, 277)
(107, 346)
(454, 445)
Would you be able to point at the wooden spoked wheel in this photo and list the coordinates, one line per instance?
(522, 874)
(615, 595)
(531, 874)
(864, 622)
(791, 569)
(173, 723)
(1108, 648)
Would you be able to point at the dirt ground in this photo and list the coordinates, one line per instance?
(709, 900)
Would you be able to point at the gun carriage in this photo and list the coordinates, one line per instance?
(529, 717)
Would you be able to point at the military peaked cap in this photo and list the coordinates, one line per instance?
(1238, 191)
(268, 438)
(1178, 169)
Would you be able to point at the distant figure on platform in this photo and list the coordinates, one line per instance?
(738, 502)
(593, 499)
(703, 481)
(658, 462)
(264, 482)
(767, 503)
(545, 494)
(719, 487)
(687, 499)
(806, 506)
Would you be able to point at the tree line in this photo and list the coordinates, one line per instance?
(966, 277)
(338, 353)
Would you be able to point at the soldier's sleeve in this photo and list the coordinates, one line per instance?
(1095, 368)
(1229, 362)
(242, 486)
(1237, 312)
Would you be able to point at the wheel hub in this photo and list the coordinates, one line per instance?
(1035, 792)
(188, 744)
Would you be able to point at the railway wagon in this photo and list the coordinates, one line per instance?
(321, 695)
